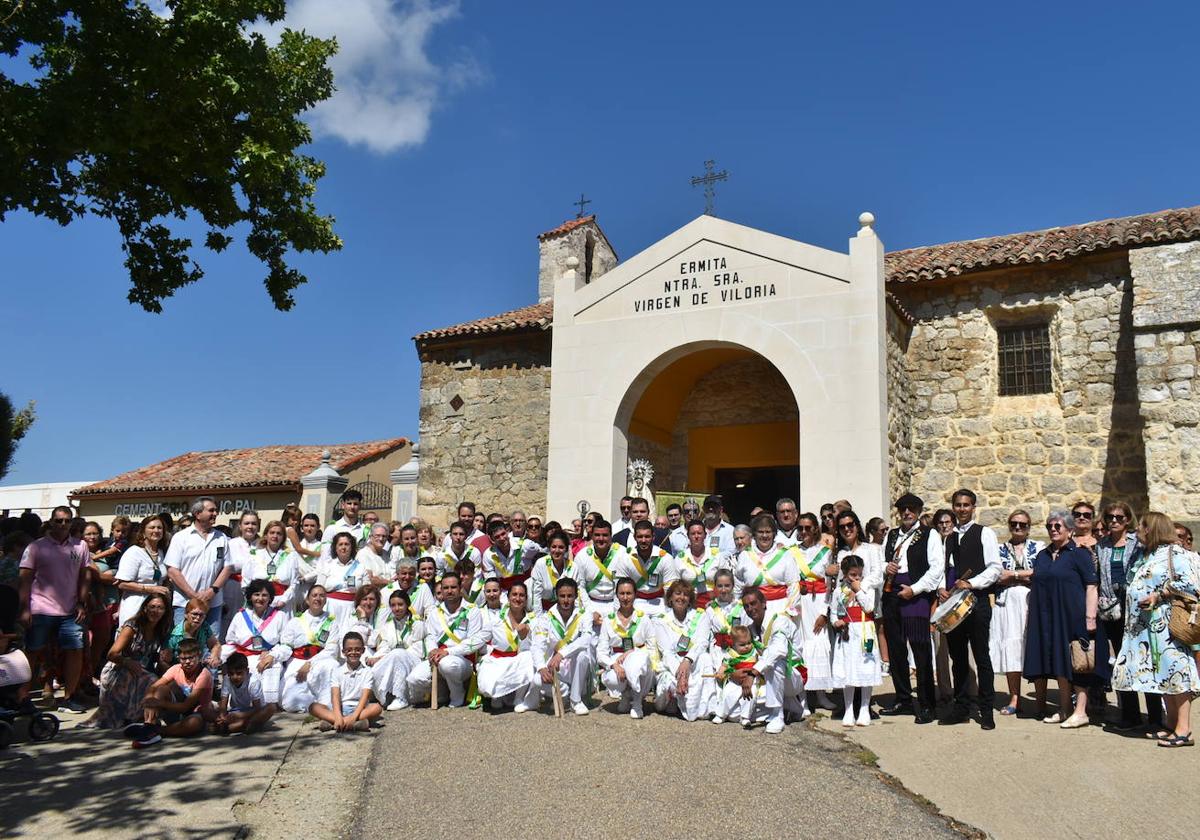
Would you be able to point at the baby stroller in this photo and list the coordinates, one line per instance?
(14, 672)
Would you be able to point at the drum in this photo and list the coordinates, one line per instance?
(950, 614)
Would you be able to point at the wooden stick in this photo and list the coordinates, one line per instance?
(558, 701)
(433, 673)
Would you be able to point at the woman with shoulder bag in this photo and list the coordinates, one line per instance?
(1118, 551)
(1152, 661)
(1063, 630)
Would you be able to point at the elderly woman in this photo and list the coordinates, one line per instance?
(1118, 551)
(684, 671)
(1012, 604)
(1150, 660)
(742, 537)
(1062, 609)
(770, 567)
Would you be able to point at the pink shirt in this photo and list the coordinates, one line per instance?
(56, 568)
(201, 687)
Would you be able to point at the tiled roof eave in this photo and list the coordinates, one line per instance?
(178, 490)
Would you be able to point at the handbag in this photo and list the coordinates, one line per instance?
(1108, 607)
(1083, 656)
(1184, 623)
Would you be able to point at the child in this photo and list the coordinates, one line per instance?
(177, 703)
(856, 659)
(242, 708)
(347, 705)
(739, 697)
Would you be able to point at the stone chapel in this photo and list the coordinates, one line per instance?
(1036, 368)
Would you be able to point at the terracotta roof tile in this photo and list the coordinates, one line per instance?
(566, 227)
(1041, 246)
(538, 315)
(228, 469)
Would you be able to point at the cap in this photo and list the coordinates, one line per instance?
(910, 500)
(713, 501)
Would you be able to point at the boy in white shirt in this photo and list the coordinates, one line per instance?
(242, 708)
(347, 704)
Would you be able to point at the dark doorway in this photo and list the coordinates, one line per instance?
(743, 489)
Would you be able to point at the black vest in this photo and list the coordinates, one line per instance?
(966, 552)
(917, 552)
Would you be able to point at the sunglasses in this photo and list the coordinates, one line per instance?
(847, 526)
(1055, 526)
(1082, 514)
(1115, 517)
(803, 528)
(1017, 526)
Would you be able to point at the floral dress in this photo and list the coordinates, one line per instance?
(1007, 638)
(1150, 660)
(121, 690)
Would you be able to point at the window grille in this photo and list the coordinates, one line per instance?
(1025, 360)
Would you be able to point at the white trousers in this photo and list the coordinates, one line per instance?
(390, 674)
(455, 670)
(701, 693)
(268, 678)
(638, 676)
(297, 695)
(574, 675)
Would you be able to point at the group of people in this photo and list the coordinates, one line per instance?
(204, 630)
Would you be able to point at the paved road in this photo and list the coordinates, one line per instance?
(608, 776)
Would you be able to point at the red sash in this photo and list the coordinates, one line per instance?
(470, 657)
(306, 651)
(502, 654)
(774, 592)
(279, 588)
(855, 613)
(744, 666)
(507, 582)
(702, 599)
(339, 595)
(249, 651)
(546, 605)
(646, 596)
(723, 640)
(813, 587)
(236, 576)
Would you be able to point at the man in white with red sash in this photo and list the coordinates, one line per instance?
(769, 567)
(350, 522)
(509, 558)
(563, 643)
(455, 633)
(595, 562)
(778, 664)
(649, 567)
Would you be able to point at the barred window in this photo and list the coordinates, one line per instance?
(1024, 359)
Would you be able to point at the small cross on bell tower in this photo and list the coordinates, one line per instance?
(708, 179)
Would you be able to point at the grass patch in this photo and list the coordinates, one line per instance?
(866, 758)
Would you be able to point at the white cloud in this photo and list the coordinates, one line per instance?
(387, 85)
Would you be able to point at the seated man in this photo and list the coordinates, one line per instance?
(778, 664)
(562, 645)
(457, 632)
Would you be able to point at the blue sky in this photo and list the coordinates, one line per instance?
(473, 127)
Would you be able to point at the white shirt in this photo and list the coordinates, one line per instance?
(242, 698)
(546, 635)
(351, 682)
(447, 559)
(245, 626)
(334, 575)
(360, 531)
(600, 584)
(991, 555)
(200, 559)
(932, 580)
(544, 577)
(679, 540)
(783, 538)
(664, 571)
(287, 571)
(396, 636)
(471, 537)
(460, 636)
(499, 565)
(612, 639)
(693, 632)
(722, 538)
(137, 566)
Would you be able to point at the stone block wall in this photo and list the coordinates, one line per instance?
(493, 449)
(900, 414)
(1167, 321)
(1082, 440)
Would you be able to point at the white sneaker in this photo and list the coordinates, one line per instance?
(580, 709)
(775, 724)
(520, 708)
(397, 704)
(718, 719)
(636, 712)
(746, 722)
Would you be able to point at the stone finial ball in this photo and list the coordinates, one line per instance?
(572, 262)
(866, 219)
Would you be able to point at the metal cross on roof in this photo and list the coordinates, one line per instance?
(581, 203)
(708, 179)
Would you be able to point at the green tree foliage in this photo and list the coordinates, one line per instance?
(13, 426)
(150, 119)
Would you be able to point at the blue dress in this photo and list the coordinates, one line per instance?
(1151, 661)
(1057, 616)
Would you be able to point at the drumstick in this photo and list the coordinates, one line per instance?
(433, 697)
(558, 703)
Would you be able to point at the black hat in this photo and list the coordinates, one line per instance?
(713, 501)
(910, 500)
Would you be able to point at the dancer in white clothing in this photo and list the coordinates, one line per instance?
(739, 697)
(649, 567)
(856, 659)
(457, 548)
(778, 663)
(624, 651)
(699, 562)
(770, 567)
(547, 571)
(563, 646)
(685, 672)
(239, 553)
(312, 638)
(507, 674)
(274, 562)
(341, 575)
(595, 563)
(401, 648)
(456, 635)
(257, 632)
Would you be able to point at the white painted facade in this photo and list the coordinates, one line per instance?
(40, 498)
(817, 315)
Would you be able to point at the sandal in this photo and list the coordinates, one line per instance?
(1009, 710)
(1177, 741)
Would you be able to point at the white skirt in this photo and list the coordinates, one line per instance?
(1007, 644)
(701, 699)
(817, 652)
(390, 673)
(854, 666)
(499, 676)
(297, 695)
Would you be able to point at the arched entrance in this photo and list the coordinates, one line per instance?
(715, 418)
